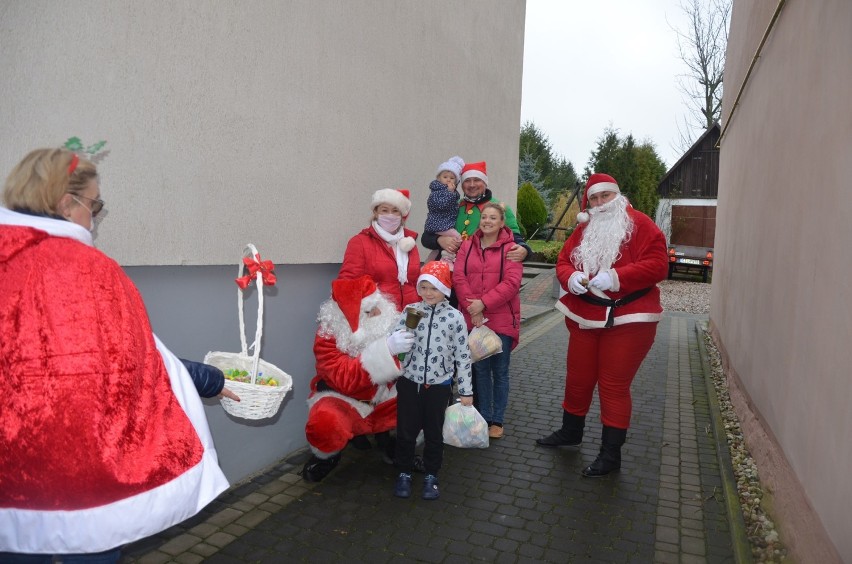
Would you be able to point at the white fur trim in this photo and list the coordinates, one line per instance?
(474, 174)
(55, 227)
(392, 197)
(379, 363)
(322, 455)
(435, 282)
(406, 244)
(96, 529)
(583, 217)
(364, 409)
(616, 283)
(619, 319)
(383, 394)
(602, 187)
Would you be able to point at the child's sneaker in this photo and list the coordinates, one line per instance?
(403, 485)
(430, 487)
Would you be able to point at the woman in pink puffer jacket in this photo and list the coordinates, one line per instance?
(488, 289)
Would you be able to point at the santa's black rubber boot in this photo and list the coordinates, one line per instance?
(609, 457)
(571, 433)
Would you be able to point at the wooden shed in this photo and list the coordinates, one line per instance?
(687, 212)
(696, 174)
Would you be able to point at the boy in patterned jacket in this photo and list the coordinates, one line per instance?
(424, 392)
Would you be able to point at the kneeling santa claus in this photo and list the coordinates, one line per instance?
(354, 391)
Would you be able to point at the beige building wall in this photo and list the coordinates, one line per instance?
(263, 121)
(782, 301)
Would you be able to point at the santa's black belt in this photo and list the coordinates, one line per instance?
(612, 304)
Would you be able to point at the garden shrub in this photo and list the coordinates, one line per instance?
(532, 213)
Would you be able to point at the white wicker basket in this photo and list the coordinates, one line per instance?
(256, 401)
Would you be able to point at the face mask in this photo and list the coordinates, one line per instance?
(389, 222)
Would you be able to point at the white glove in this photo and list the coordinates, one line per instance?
(400, 341)
(574, 285)
(603, 281)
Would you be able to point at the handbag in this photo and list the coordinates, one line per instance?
(464, 427)
(264, 385)
(483, 342)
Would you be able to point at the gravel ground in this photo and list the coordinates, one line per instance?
(766, 546)
(688, 297)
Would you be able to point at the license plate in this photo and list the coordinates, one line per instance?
(689, 261)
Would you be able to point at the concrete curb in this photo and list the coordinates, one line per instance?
(739, 537)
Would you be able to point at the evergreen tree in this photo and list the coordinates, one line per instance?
(532, 212)
(528, 173)
(638, 169)
(553, 173)
(563, 178)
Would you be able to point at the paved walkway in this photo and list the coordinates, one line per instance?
(512, 502)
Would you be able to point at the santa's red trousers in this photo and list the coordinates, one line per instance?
(608, 358)
(332, 422)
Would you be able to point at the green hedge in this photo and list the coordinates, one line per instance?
(547, 250)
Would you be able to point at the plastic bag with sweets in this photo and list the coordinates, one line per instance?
(464, 427)
(483, 342)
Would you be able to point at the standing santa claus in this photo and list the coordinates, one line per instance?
(354, 391)
(610, 267)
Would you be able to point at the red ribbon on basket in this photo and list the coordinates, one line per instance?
(254, 265)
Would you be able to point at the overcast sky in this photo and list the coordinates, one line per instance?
(592, 63)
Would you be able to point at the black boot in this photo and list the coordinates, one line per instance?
(571, 433)
(317, 468)
(609, 458)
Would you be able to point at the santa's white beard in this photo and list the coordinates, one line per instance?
(609, 227)
(332, 323)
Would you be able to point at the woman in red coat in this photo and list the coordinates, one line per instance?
(103, 440)
(488, 288)
(386, 251)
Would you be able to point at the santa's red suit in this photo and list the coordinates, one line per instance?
(354, 390)
(609, 269)
(627, 329)
(103, 438)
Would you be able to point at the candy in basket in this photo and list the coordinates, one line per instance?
(261, 385)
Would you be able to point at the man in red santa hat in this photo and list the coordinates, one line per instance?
(610, 267)
(354, 391)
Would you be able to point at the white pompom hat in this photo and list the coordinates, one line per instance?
(454, 165)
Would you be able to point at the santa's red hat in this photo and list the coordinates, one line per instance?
(399, 198)
(474, 170)
(349, 295)
(438, 274)
(597, 183)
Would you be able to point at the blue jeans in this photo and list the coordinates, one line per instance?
(491, 376)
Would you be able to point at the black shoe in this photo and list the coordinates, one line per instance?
(317, 468)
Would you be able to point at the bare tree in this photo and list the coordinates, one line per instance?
(702, 48)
